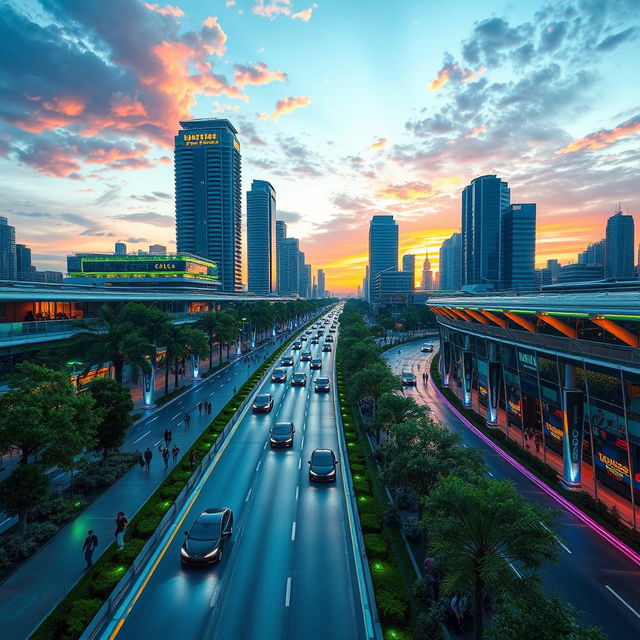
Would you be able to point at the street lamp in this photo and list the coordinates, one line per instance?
(239, 350)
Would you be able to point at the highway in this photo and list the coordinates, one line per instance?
(591, 575)
(288, 570)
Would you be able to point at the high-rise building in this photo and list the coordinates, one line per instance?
(518, 247)
(383, 249)
(261, 237)
(322, 287)
(302, 287)
(483, 201)
(409, 266)
(120, 249)
(593, 254)
(426, 282)
(620, 243)
(289, 262)
(451, 263)
(208, 196)
(307, 281)
(365, 285)
(8, 269)
(157, 250)
(281, 233)
(23, 258)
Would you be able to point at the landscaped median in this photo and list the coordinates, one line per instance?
(94, 593)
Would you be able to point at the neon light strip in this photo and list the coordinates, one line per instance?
(563, 502)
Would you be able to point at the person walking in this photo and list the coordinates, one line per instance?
(167, 436)
(200, 408)
(90, 543)
(192, 460)
(147, 458)
(188, 419)
(121, 525)
(175, 451)
(165, 457)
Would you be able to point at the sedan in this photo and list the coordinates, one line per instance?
(282, 434)
(206, 538)
(314, 341)
(322, 385)
(305, 356)
(304, 338)
(426, 348)
(279, 375)
(326, 347)
(263, 403)
(286, 361)
(329, 338)
(296, 345)
(299, 379)
(408, 379)
(316, 363)
(322, 466)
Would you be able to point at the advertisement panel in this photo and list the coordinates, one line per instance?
(467, 371)
(552, 426)
(446, 354)
(513, 395)
(573, 425)
(483, 383)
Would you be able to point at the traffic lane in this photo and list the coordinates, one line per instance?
(609, 593)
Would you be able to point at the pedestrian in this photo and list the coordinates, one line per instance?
(121, 525)
(141, 460)
(200, 408)
(188, 418)
(192, 460)
(147, 458)
(184, 419)
(165, 457)
(538, 441)
(90, 543)
(234, 391)
(209, 407)
(175, 451)
(167, 436)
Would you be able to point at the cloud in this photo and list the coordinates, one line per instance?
(604, 137)
(305, 14)
(272, 8)
(249, 134)
(452, 72)
(167, 10)
(148, 217)
(287, 105)
(256, 73)
(136, 240)
(91, 226)
(380, 143)
(32, 214)
(155, 196)
(477, 131)
(408, 192)
(612, 41)
(109, 196)
(222, 108)
(288, 216)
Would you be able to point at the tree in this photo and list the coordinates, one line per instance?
(361, 354)
(210, 323)
(393, 409)
(477, 530)
(22, 490)
(179, 342)
(114, 406)
(372, 382)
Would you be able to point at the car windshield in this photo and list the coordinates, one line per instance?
(208, 529)
(278, 372)
(262, 400)
(298, 376)
(322, 381)
(281, 429)
(322, 458)
(408, 376)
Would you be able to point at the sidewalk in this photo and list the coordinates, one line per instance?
(29, 594)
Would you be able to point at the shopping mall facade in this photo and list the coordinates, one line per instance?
(560, 374)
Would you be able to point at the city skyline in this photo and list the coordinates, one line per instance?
(85, 166)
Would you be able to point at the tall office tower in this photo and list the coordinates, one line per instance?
(322, 288)
(409, 266)
(23, 259)
(314, 289)
(307, 281)
(120, 249)
(208, 196)
(8, 269)
(281, 233)
(261, 237)
(518, 247)
(593, 254)
(302, 290)
(451, 263)
(366, 290)
(383, 249)
(157, 250)
(483, 201)
(618, 257)
(426, 282)
(289, 266)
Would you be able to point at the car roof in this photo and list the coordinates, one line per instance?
(322, 379)
(288, 424)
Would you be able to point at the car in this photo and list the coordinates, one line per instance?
(408, 379)
(263, 403)
(314, 341)
(308, 332)
(281, 434)
(326, 347)
(322, 466)
(296, 345)
(205, 540)
(320, 332)
(316, 363)
(299, 379)
(286, 361)
(305, 356)
(279, 375)
(426, 348)
(304, 338)
(321, 385)
(332, 330)
(329, 338)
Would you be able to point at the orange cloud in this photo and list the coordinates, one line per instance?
(66, 106)
(380, 143)
(219, 38)
(115, 154)
(287, 105)
(266, 9)
(305, 14)
(454, 73)
(476, 131)
(408, 192)
(256, 74)
(604, 137)
(167, 10)
(441, 79)
(124, 106)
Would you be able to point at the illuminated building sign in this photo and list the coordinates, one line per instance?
(236, 145)
(196, 139)
(527, 361)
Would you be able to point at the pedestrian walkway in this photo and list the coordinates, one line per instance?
(29, 594)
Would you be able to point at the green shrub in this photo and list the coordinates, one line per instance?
(392, 517)
(371, 523)
(39, 532)
(429, 623)
(81, 612)
(362, 487)
(391, 607)
(147, 526)
(132, 548)
(376, 545)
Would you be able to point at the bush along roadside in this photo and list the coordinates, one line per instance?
(76, 611)
(596, 509)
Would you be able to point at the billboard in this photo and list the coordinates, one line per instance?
(572, 431)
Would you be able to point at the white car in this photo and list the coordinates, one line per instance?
(426, 348)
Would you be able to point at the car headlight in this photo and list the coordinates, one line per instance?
(183, 552)
(212, 553)
(313, 473)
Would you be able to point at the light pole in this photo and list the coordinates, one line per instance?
(239, 351)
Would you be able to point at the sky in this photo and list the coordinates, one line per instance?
(349, 108)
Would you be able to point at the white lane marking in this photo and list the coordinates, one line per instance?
(157, 443)
(248, 495)
(152, 419)
(143, 436)
(299, 463)
(302, 443)
(544, 526)
(259, 463)
(624, 602)
(213, 393)
(491, 474)
(515, 570)
(297, 491)
(174, 417)
(265, 445)
(5, 521)
(293, 531)
(287, 598)
(463, 444)
(59, 475)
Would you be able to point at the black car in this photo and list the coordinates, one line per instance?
(314, 341)
(263, 403)
(322, 466)
(282, 434)
(316, 363)
(286, 361)
(304, 338)
(326, 347)
(299, 379)
(279, 375)
(332, 330)
(296, 345)
(305, 356)
(329, 338)
(322, 385)
(320, 332)
(206, 538)
(408, 379)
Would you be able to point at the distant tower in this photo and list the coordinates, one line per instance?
(619, 245)
(120, 249)
(427, 275)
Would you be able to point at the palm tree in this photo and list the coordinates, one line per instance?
(209, 322)
(179, 342)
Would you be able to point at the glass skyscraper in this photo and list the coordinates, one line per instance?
(383, 249)
(518, 247)
(209, 197)
(261, 235)
(7, 250)
(451, 263)
(281, 233)
(289, 262)
(619, 247)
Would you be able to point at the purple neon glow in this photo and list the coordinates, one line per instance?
(563, 502)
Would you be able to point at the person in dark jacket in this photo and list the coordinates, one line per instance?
(147, 458)
(90, 543)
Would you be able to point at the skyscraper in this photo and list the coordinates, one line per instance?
(289, 262)
(302, 289)
(322, 289)
(208, 196)
(383, 249)
(593, 254)
(7, 250)
(619, 248)
(426, 282)
(261, 235)
(120, 249)
(482, 204)
(157, 250)
(409, 266)
(451, 263)
(518, 247)
(281, 233)
(23, 258)
(307, 281)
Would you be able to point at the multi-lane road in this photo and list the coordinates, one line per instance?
(288, 570)
(590, 574)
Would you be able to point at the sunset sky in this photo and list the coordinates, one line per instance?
(349, 107)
